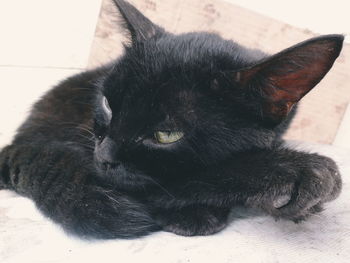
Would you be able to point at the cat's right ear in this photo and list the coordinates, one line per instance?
(138, 26)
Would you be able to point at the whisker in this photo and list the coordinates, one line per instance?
(75, 124)
(160, 186)
(86, 130)
(90, 139)
(85, 146)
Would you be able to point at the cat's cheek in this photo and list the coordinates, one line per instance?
(101, 171)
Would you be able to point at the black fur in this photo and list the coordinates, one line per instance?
(103, 175)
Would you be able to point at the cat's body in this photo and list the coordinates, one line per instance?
(97, 169)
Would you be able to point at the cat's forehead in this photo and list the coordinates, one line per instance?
(200, 52)
(170, 69)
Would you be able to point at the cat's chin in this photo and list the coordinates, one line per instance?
(124, 176)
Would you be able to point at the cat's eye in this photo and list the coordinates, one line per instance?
(166, 137)
(106, 106)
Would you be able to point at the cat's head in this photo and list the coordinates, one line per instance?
(175, 103)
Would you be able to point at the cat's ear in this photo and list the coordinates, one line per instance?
(283, 79)
(138, 26)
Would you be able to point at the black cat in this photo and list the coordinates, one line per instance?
(172, 136)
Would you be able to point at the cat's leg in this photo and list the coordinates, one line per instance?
(193, 220)
(285, 183)
(60, 180)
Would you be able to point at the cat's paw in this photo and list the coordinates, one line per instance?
(315, 184)
(193, 220)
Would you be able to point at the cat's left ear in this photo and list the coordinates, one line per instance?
(283, 79)
(139, 26)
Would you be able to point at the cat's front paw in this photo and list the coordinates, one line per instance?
(317, 182)
(193, 220)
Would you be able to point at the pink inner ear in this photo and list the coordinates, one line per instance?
(292, 73)
(296, 83)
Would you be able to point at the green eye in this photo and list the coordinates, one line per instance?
(168, 137)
